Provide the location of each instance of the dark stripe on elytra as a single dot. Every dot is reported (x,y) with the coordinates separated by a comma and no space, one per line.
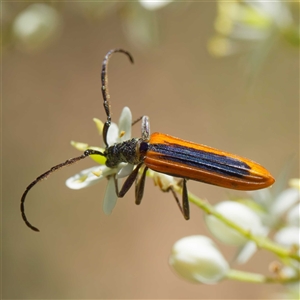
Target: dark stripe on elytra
(212,162)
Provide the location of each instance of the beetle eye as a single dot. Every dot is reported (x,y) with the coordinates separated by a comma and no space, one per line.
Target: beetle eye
(143,147)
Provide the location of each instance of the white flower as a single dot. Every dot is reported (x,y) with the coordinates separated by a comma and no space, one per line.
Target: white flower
(245,218)
(284,202)
(163,181)
(241,25)
(295,183)
(293,216)
(154,4)
(276,211)
(241,215)
(288,236)
(197,259)
(273,208)
(292,289)
(36,26)
(92,175)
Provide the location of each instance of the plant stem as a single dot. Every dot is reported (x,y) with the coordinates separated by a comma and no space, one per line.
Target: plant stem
(258,278)
(261,242)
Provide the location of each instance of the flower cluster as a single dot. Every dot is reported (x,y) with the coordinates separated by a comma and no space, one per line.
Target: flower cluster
(245,224)
(252,25)
(35,26)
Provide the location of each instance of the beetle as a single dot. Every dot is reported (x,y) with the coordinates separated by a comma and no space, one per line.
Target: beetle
(169,155)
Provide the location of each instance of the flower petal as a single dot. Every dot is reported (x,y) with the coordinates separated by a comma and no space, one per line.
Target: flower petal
(84,178)
(125,171)
(293,216)
(285,200)
(288,236)
(99,125)
(154,4)
(110,198)
(125,122)
(163,181)
(113,134)
(262,197)
(294,183)
(79,146)
(246,252)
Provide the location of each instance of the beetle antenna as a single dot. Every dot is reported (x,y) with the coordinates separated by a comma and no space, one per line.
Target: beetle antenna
(104,89)
(49,172)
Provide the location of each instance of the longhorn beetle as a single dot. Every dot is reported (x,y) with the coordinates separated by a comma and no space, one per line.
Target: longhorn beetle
(166,154)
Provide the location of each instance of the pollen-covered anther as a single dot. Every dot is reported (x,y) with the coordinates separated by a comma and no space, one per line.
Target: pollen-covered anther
(97,173)
(122,133)
(81,179)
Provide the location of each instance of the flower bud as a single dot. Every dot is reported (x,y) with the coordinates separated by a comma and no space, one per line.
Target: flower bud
(36,26)
(288,236)
(241,215)
(285,201)
(154,4)
(163,181)
(197,259)
(293,216)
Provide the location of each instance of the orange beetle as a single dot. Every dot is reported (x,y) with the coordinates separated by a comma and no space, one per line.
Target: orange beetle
(170,155)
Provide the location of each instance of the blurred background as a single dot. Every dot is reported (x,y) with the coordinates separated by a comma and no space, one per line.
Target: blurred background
(220,74)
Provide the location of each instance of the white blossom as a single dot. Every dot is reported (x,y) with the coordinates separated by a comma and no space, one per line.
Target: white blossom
(154,4)
(88,177)
(241,215)
(197,259)
(36,26)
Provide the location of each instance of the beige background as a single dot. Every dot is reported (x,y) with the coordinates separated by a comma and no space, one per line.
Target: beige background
(50,98)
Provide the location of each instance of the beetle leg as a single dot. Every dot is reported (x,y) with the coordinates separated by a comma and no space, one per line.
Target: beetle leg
(185,201)
(184,208)
(128,182)
(139,186)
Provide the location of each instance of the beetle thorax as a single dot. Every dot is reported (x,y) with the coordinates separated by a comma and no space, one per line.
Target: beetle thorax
(128,152)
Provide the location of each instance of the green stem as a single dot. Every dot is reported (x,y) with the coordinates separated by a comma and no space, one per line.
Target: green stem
(258,278)
(261,242)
